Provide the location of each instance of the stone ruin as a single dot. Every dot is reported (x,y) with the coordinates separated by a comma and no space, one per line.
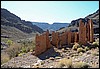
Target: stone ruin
(85,34)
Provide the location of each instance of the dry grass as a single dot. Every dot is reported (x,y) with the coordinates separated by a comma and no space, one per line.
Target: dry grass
(75,46)
(4,58)
(80,65)
(80,50)
(65,62)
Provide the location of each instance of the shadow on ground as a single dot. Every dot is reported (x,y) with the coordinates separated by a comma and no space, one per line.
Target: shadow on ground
(49,53)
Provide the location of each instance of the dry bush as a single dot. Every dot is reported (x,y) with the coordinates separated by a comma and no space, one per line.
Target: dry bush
(4,58)
(86,48)
(13,50)
(95,53)
(65,62)
(80,65)
(75,46)
(96,44)
(80,50)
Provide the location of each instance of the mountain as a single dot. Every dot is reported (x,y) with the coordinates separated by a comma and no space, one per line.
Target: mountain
(73,26)
(12,24)
(10,19)
(53,27)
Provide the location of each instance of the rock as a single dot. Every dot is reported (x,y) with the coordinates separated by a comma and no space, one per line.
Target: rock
(25,66)
(51,66)
(58,57)
(51,58)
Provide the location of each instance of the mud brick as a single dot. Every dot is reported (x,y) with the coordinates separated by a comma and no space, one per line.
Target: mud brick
(40,44)
(84,37)
(48,40)
(72,37)
(55,39)
(69,37)
(63,39)
(82,33)
(76,36)
(91,30)
(88,31)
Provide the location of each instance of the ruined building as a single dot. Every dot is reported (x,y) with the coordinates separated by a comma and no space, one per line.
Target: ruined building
(84,35)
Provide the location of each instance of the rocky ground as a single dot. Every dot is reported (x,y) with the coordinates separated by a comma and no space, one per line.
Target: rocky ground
(52,57)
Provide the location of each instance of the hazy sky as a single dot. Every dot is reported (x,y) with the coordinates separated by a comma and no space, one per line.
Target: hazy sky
(51,11)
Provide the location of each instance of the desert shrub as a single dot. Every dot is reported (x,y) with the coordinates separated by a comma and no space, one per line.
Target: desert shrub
(13,50)
(65,62)
(20,54)
(80,50)
(86,48)
(23,50)
(31,50)
(27,46)
(9,42)
(80,65)
(4,58)
(75,46)
(96,44)
(94,53)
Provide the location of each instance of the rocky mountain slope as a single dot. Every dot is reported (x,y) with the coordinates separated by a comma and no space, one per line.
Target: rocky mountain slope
(55,26)
(10,20)
(73,26)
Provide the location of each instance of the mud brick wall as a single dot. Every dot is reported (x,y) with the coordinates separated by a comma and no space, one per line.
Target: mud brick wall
(40,44)
(69,37)
(84,37)
(55,39)
(72,37)
(48,44)
(91,30)
(88,31)
(76,34)
(63,39)
(53,42)
(82,33)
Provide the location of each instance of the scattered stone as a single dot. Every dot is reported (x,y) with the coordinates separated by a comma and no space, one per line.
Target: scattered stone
(58,57)
(51,58)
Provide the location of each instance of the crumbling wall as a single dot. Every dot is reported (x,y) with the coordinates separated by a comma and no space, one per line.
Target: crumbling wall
(48,44)
(55,39)
(63,39)
(85,34)
(91,30)
(69,37)
(40,44)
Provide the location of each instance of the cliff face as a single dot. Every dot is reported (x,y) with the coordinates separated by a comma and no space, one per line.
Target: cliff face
(11,20)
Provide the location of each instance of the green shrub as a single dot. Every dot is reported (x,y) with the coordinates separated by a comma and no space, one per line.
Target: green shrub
(80,65)
(9,42)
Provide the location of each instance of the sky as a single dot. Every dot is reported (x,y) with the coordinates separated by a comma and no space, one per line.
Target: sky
(51,11)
